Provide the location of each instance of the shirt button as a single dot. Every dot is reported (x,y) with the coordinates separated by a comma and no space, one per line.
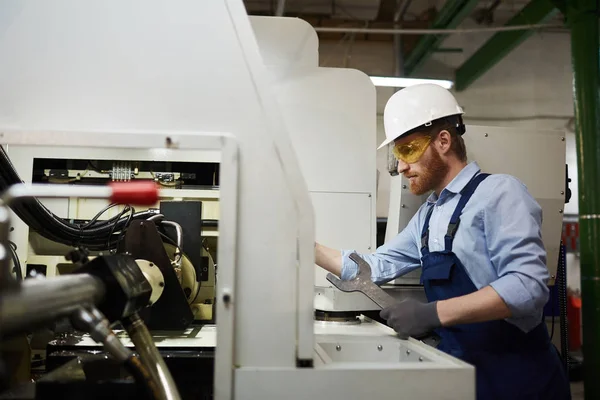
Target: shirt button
(435,240)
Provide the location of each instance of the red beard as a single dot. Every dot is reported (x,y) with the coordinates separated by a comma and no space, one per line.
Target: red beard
(434,170)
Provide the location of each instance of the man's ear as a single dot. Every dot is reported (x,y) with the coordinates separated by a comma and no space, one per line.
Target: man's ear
(444,141)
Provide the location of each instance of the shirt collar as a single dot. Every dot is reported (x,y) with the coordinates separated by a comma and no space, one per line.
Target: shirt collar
(458,183)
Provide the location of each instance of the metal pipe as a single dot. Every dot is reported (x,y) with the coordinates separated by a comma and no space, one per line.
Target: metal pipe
(156,217)
(398,70)
(399,54)
(582,18)
(280,8)
(401,10)
(98,326)
(38,301)
(23,191)
(403,31)
(179,241)
(151,358)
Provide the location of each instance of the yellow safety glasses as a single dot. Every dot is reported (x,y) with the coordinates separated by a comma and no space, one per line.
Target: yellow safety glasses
(411,152)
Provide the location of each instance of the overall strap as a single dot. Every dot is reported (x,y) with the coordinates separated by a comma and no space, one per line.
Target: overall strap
(465,196)
(425,232)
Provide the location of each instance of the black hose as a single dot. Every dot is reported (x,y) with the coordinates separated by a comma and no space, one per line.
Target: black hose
(94,237)
(561,282)
(142,376)
(39,218)
(92,222)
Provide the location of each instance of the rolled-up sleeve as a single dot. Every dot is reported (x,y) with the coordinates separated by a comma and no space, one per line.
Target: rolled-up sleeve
(393,259)
(512,221)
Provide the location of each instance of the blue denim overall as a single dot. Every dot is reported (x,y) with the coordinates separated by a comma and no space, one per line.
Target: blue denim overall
(509,363)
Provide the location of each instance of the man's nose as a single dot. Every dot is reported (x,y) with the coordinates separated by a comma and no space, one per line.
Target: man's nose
(402,167)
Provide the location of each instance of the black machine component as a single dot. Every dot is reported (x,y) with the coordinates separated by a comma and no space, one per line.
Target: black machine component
(192,371)
(129,290)
(561,282)
(96,236)
(203,274)
(567,181)
(59,173)
(171,311)
(43,301)
(165,177)
(99,235)
(191,174)
(188,214)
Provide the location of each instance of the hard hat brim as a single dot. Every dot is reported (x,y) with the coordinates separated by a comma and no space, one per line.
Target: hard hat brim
(386,142)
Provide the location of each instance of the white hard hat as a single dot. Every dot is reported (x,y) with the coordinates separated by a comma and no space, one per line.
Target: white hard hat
(415,106)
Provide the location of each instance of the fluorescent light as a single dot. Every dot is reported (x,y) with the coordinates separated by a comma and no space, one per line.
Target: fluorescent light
(392,81)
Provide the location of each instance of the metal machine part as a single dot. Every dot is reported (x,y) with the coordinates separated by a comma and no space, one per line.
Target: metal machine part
(154,277)
(339,318)
(199,291)
(129,290)
(92,321)
(150,356)
(179,241)
(38,301)
(77,170)
(363,283)
(186,219)
(150,372)
(171,311)
(189,355)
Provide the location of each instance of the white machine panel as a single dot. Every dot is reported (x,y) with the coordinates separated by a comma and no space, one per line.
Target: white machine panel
(331,119)
(377,365)
(535,157)
(342,220)
(177,66)
(300,47)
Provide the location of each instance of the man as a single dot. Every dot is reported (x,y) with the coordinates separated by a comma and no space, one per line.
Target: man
(478,241)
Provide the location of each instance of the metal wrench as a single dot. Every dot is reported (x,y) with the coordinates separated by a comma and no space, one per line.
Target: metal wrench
(363,283)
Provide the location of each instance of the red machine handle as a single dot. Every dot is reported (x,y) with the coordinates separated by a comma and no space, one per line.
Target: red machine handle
(136,193)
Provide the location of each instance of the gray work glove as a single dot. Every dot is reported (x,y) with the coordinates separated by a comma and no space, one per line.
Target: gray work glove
(412,318)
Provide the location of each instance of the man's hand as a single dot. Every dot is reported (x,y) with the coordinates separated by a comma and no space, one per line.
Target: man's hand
(412,318)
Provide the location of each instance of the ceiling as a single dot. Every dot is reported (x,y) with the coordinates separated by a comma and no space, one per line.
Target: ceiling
(421,14)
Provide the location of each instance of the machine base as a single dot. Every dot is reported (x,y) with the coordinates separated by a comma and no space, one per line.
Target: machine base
(77,367)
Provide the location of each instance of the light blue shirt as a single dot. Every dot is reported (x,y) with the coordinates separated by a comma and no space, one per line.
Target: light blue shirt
(499,243)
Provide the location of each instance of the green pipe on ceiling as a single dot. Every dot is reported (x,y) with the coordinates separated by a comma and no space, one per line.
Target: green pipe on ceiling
(450,16)
(502,43)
